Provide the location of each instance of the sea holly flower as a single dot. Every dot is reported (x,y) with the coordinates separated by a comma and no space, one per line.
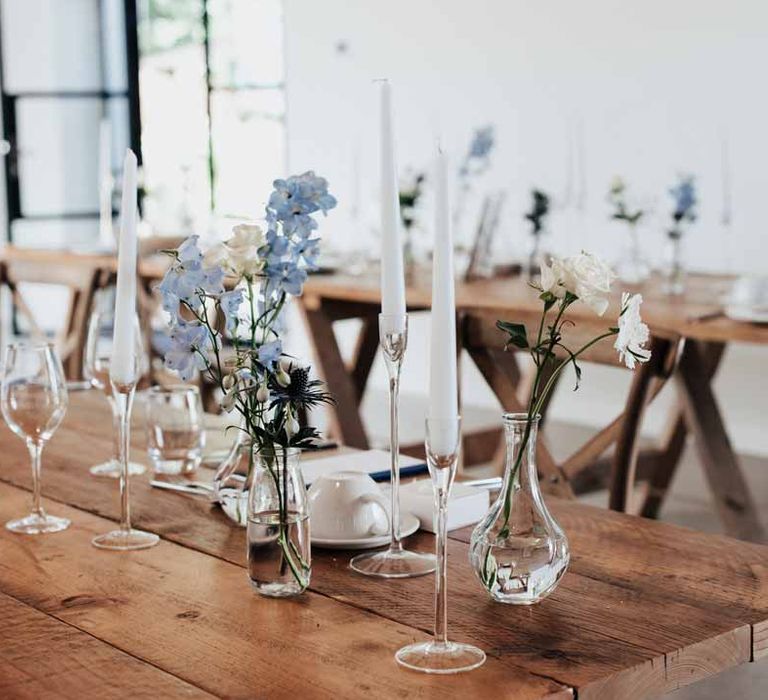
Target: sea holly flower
(633,334)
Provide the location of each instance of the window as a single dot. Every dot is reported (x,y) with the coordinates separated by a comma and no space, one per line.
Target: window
(212,108)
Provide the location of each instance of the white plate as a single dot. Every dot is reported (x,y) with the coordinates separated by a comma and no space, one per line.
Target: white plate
(408,525)
(746,313)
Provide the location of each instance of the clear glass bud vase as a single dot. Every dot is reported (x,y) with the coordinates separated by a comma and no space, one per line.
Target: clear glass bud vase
(279,552)
(518,551)
(674,268)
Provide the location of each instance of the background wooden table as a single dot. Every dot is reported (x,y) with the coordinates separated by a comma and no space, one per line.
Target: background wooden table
(688,345)
(645,608)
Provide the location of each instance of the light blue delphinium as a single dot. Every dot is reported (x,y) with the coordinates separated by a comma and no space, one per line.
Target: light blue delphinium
(188,345)
(269,353)
(230,303)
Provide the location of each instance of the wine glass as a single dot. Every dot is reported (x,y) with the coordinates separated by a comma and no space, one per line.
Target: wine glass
(98,350)
(33,397)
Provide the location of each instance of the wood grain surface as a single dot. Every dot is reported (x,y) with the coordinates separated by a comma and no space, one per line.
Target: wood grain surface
(645,607)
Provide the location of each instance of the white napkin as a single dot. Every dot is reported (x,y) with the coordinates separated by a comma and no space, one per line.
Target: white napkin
(373,462)
(466,505)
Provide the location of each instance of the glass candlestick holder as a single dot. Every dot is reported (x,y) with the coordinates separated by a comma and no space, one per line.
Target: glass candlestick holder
(394,562)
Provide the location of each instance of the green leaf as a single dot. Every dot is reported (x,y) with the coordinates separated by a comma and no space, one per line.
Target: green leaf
(516,332)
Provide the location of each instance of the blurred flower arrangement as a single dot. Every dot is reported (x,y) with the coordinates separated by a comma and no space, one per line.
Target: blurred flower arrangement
(563,282)
(632,267)
(683,214)
(540,207)
(684,211)
(267,388)
(410,192)
(476,161)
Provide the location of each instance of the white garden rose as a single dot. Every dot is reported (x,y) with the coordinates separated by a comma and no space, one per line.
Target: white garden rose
(584,275)
(552,276)
(242,250)
(633,333)
(589,278)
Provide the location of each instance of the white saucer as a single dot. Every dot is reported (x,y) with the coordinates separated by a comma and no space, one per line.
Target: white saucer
(748,314)
(408,525)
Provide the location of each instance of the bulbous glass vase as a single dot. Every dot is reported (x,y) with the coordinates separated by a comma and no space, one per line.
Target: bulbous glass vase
(518,551)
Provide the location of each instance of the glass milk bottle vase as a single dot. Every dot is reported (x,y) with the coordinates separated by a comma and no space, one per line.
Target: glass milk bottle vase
(518,551)
(279,554)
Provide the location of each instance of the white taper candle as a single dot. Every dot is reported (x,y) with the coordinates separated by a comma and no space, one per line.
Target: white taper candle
(123,363)
(392,272)
(443,381)
(106,232)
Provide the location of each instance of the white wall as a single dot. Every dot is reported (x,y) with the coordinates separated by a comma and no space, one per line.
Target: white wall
(649,89)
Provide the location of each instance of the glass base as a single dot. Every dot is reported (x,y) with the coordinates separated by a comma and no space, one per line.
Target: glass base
(125,539)
(111,469)
(394,564)
(432,657)
(37,524)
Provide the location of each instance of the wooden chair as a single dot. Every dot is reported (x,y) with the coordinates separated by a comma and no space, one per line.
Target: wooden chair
(483,343)
(82,283)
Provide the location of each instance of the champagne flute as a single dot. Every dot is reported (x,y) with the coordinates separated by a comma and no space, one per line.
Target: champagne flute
(440,655)
(98,350)
(33,398)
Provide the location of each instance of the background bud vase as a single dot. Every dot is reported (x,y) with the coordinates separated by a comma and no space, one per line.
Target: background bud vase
(518,551)
(683,215)
(279,551)
(632,267)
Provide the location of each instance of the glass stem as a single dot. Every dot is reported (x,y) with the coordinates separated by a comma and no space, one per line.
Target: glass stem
(123,401)
(394,450)
(115,430)
(35,453)
(441,545)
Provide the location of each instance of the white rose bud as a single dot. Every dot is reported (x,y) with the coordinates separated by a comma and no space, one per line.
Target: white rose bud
(228,402)
(228,382)
(283,378)
(262,394)
(291,426)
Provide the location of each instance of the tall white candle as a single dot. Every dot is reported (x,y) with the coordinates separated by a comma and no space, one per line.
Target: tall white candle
(392,273)
(443,382)
(106,232)
(123,364)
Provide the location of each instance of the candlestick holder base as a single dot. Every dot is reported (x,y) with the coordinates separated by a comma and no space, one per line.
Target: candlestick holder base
(123,540)
(439,657)
(397,563)
(111,469)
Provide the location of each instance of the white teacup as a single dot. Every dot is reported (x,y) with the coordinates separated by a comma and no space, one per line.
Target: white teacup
(347,505)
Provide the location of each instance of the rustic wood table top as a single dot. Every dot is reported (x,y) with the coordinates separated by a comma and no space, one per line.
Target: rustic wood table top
(645,607)
(695,314)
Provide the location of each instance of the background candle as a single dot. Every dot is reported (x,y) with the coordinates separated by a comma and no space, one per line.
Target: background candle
(106,232)
(392,273)
(443,381)
(123,364)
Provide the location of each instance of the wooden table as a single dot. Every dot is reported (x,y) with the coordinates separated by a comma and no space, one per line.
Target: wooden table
(645,608)
(685,348)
